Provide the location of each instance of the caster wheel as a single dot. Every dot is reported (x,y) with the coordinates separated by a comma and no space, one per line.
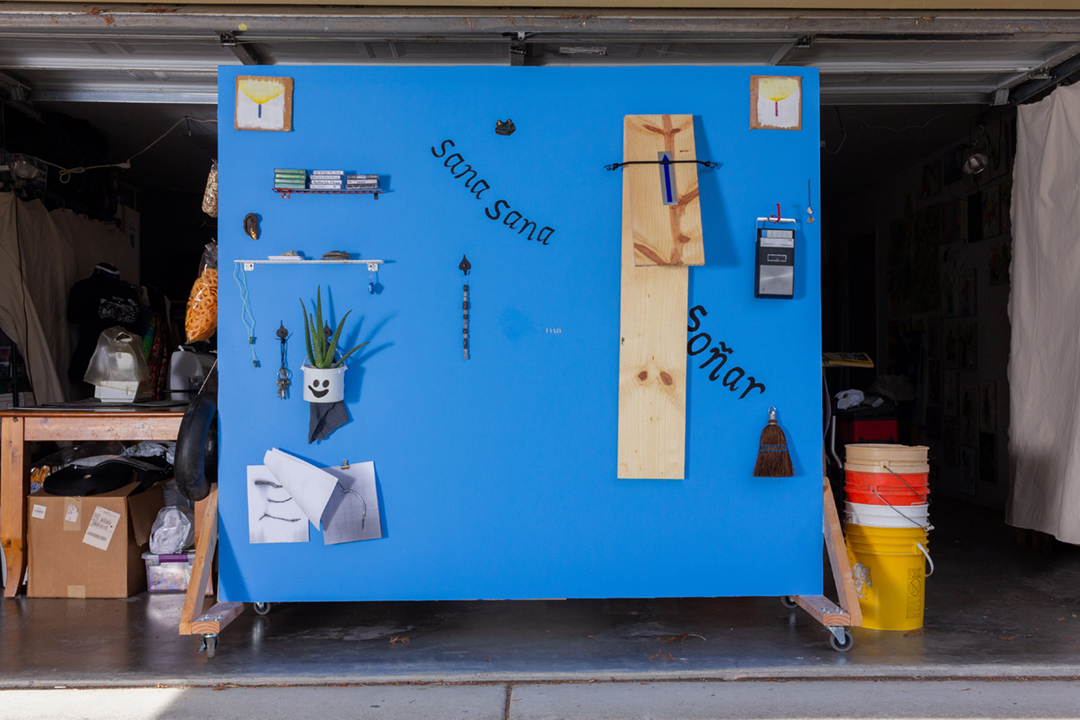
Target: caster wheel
(209,645)
(788,602)
(842,645)
(261,608)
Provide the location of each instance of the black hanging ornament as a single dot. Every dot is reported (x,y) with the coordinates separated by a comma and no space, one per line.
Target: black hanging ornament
(283,372)
(464,267)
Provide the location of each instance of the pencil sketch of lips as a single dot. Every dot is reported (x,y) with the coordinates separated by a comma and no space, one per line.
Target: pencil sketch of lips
(319,393)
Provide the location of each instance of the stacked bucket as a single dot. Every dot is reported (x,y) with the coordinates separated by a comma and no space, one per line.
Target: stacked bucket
(887,511)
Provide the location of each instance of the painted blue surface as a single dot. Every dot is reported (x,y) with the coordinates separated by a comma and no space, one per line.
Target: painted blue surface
(497,474)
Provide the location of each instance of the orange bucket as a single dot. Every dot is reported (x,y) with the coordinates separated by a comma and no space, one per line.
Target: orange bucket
(914,493)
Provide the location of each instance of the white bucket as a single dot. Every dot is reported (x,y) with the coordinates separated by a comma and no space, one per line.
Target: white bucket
(324,386)
(888,516)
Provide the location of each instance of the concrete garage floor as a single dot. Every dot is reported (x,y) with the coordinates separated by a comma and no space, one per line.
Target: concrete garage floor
(694,700)
(994,610)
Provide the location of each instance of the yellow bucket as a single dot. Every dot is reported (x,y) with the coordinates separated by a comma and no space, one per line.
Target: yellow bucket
(889,566)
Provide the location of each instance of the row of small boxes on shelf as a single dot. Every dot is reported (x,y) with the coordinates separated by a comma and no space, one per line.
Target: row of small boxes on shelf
(292,179)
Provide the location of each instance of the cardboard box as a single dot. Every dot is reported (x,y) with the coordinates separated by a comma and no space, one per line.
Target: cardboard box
(90,547)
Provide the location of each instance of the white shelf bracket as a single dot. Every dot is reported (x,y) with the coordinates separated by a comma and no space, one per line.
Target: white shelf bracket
(249,265)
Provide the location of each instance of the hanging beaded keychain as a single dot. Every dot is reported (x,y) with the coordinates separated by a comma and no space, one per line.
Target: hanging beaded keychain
(464,267)
(283,371)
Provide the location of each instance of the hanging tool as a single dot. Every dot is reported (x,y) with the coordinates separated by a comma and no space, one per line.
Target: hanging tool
(464,266)
(809,204)
(283,371)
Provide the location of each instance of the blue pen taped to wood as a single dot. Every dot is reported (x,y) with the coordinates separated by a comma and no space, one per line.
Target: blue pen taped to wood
(667,178)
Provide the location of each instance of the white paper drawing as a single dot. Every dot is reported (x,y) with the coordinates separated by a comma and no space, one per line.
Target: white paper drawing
(286,493)
(309,486)
(353,511)
(273,516)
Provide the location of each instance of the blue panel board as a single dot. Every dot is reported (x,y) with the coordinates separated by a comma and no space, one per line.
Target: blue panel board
(497,475)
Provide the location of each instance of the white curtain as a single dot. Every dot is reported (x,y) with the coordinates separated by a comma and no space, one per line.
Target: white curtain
(1044,307)
(42,254)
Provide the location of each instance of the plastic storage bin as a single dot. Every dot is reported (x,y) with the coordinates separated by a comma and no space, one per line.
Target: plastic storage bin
(168,573)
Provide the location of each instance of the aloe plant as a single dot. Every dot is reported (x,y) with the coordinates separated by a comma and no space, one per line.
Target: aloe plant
(321,347)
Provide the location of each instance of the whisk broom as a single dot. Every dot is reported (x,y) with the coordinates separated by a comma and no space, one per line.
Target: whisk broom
(773,459)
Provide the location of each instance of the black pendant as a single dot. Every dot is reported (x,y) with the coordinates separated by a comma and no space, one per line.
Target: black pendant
(464,267)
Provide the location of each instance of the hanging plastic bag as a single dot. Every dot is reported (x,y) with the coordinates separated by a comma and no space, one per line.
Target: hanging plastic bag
(849,399)
(209,201)
(172,531)
(201,321)
(118,361)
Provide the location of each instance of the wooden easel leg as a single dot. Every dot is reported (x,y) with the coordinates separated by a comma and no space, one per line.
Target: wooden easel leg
(838,559)
(213,621)
(847,612)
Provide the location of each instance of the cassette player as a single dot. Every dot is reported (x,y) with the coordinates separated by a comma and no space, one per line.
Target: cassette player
(774,273)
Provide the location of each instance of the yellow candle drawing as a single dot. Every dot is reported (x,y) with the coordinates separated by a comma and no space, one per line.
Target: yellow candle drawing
(261,90)
(777,89)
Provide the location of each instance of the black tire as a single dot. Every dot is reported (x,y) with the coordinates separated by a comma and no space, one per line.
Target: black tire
(196,448)
(788,602)
(844,646)
(261,608)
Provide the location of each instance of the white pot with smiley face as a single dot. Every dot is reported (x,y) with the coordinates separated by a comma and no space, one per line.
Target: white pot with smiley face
(324,386)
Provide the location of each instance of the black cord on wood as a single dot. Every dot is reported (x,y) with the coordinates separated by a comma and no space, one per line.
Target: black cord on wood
(616,166)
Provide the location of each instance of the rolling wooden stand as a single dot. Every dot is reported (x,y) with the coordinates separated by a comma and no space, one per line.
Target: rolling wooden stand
(836,617)
(210,623)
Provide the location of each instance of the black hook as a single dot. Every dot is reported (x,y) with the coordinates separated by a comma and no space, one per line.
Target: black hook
(615,166)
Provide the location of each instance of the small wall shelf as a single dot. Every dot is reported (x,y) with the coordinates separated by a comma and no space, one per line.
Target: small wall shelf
(286,192)
(372,265)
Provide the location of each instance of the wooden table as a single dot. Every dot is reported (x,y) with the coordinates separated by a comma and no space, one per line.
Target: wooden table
(23,425)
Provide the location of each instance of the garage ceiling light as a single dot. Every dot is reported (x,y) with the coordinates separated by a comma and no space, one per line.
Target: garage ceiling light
(975,161)
(22,169)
